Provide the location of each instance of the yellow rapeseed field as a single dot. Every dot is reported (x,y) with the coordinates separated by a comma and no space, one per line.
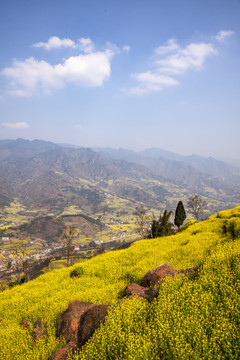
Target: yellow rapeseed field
(193,318)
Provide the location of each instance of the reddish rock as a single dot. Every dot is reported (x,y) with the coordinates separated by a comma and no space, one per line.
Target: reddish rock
(135,289)
(25,324)
(63,353)
(91,321)
(38,330)
(69,321)
(154,276)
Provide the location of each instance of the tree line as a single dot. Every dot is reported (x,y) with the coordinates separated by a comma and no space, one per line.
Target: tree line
(162,226)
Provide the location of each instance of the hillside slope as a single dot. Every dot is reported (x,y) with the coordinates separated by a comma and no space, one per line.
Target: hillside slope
(60,177)
(192,318)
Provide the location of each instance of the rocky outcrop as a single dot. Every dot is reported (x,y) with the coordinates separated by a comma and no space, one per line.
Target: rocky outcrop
(63,353)
(69,321)
(38,330)
(90,321)
(77,325)
(152,277)
(25,324)
(81,319)
(137,290)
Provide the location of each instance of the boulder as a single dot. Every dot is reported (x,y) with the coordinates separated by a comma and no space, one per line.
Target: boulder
(91,321)
(69,321)
(74,273)
(137,290)
(63,353)
(152,277)
(38,330)
(25,324)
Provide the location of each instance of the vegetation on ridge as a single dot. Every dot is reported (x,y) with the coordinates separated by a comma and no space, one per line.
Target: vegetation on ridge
(192,318)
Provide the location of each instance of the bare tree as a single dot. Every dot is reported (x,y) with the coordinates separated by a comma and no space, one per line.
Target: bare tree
(68,234)
(196,205)
(21,249)
(141,219)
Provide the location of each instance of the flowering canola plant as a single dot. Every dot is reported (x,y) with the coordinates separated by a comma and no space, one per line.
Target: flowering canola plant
(192,318)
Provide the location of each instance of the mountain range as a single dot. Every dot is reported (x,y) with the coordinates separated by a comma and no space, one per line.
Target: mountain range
(170,164)
(51,177)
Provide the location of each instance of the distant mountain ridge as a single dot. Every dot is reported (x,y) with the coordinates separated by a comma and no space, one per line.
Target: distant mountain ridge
(162,160)
(23,149)
(60,177)
(49,176)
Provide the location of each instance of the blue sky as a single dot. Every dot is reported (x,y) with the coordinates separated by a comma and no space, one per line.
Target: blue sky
(130,73)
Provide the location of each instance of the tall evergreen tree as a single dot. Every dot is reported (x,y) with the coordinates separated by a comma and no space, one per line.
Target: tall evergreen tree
(180,215)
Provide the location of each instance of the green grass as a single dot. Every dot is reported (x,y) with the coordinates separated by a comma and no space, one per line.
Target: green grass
(191,319)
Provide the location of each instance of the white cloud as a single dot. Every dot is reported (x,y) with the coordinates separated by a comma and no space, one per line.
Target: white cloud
(171,46)
(224,34)
(17,125)
(55,42)
(86,70)
(171,60)
(151,82)
(192,56)
(86,45)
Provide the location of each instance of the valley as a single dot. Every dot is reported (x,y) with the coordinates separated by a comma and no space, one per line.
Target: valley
(204,301)
(45,186)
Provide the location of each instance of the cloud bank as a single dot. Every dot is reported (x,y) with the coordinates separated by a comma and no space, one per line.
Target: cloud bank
(90,68)
(172,60)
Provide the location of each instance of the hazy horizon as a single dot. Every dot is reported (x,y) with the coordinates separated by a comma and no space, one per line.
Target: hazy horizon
(129,74)
(234,161)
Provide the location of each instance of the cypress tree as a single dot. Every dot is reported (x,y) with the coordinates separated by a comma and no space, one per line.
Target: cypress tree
(180,215)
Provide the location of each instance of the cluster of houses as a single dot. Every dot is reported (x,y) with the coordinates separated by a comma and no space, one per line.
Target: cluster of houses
(10,263)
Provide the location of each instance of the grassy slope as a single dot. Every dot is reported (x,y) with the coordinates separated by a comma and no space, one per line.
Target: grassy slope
(192,319)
